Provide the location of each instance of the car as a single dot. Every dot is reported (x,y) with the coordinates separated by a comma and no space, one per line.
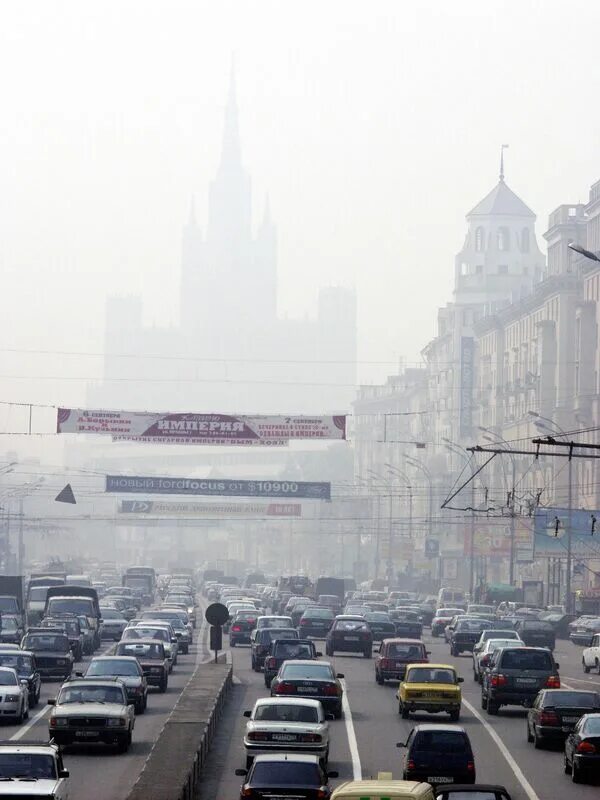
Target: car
(466,633)
(286,724)
(281,775)
(438,754)
(349,634)
(584,631)
(52,651)
(560,622)
(315,621)
(299,609)
(383,787)
(151,656)
(308,678)
(433,688)
(536,633)
(261,641)
(14,695)
(441,618)
(393,656)
(113,623)
(70,626)
(380,624)
(473,609)
(331,601)
(130,673)
(23,661)
(406,623)
(12,630)
(582,749)
(178,620)
(92,711)
(241,627)
(88,633)
(287,650)
(478,791)
(272,621)
(449,629)
(39,766)
(556,712)
(482,655)
(356,610)
(495,633)
(157,630)
(516,675)
(590,658)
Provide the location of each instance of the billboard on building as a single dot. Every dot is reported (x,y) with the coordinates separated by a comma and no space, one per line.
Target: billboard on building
(206,429)
(551,526)
(214,510)
(489,540)
(290,490)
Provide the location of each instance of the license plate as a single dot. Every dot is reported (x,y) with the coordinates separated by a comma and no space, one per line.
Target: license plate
(283,737)
(351,638)
(440,779)
(87,734)
(309,689)
(570,720)
(525,681)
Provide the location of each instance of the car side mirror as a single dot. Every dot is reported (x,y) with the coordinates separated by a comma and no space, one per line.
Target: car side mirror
(329,716)
(318,654)
(79,674)
(247,713)
(400,744)
(52,701)
(333,773)
(340,675)
(63,773)
(427,652)
(174,640)
(460,680)
(241,772)
(557,665)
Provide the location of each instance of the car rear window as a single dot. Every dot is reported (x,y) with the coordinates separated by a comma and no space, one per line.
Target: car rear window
(292,650)
(286,773)
(320,672)
(441,742)
(405,651)
(472,625)
(350,625)
(536,625)
(320,613)
(526,659)
(576,699)
(291,713)
(141,650)
(430,675)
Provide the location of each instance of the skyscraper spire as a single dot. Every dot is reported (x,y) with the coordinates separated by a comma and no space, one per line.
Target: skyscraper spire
(231,151)
(503,147)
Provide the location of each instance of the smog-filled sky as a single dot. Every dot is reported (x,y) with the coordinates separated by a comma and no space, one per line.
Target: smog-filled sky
(373,128)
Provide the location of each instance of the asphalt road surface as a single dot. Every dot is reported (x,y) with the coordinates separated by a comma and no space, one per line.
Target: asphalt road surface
(97,771)
(364,741)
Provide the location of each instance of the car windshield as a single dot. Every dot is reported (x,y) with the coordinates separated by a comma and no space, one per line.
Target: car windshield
(70,605)
(37,594)
(495,633)
(526,659)
(440,742)
(286,713)
(32,765)
(350,625)
(285,773)
(23,664)
(377,616)
(536,625)
(316,671)
(559,698)
(404,651)
(146,633)
(9,624)
(91,694)
(7,678)
(318,613)
(146,650)
(430,675)
(110,613)
(113,667)
(472,625)
(246,615)
(46,641)
(495,644)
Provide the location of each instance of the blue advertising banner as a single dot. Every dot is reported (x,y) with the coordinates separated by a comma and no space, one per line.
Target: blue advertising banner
(550,536)
(131,484)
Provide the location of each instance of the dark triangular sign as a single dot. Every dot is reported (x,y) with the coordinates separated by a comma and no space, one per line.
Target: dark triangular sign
(66,495)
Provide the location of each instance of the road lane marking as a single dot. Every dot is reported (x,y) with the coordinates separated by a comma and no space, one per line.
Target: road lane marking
(350,733)
(24,728)
(527,787)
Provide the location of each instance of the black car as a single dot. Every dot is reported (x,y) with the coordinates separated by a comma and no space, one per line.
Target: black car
(381,625)
(313,679)
(516,675)
(556,712)
(406,623)
(536,633)
(466,634)
(299,610)
(52,651)
(287,650)
(349,634)
(151,657)
(459,791)
(286,775)
(23,661)
(316,621)
(70,626)
(12,630)
(261,640)
(560,623)
(436,754)
(582,749)
(241,627)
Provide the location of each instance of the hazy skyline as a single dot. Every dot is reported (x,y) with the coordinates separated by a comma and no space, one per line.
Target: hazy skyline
(373,128)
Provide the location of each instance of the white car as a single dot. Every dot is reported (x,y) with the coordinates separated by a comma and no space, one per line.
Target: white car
(481,658)
(14,695)
(286,724)
(590,658)
(33,770)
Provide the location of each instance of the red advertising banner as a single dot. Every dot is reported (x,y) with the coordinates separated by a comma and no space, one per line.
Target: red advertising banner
(211,429)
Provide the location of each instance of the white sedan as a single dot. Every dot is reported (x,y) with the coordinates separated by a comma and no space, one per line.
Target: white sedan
(590,658)
(14,695)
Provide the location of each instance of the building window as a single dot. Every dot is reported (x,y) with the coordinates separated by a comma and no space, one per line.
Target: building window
(464,269)
(502,239)
(479,239)
(525,240)
(502,269)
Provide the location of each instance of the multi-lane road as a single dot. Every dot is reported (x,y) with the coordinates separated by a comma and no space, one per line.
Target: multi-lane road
(364,741)
(97,772)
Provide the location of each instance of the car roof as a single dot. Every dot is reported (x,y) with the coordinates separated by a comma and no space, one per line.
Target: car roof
(30,747)
(402,640)
(85,682)
(306,661)
(351,617)
(287,701)
(5,651)
(431,666)
(113,658)
(433,726)
(303,758)
(380,786)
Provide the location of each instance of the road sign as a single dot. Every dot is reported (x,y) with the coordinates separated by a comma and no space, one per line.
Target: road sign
(216,614)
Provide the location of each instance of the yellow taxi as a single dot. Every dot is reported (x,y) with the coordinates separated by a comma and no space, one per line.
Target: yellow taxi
(384,788)
(432,688)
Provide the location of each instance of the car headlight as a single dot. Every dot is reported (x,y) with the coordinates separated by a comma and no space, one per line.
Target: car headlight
(116,722)
(58,722)
(11,698)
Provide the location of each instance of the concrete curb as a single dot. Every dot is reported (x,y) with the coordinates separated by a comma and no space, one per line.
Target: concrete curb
(172,769)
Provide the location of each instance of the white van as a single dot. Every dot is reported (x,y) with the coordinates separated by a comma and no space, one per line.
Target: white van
(451,597)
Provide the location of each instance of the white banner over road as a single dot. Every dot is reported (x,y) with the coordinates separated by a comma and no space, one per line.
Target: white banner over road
(212,429)
(171,509)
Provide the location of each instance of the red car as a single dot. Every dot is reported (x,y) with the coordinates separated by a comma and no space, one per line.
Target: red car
(394,655)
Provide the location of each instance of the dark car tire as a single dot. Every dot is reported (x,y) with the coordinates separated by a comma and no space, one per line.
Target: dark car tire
(124,743)
(576,776)
(379,679)
(566,765)
(484,701)
(454,716)
(368,653)
(163,685)
(404,712)
(538,741)
(529,735)
(249,760)
(337,711)
(21,715)
(492,707)
(231,642)
(586,669)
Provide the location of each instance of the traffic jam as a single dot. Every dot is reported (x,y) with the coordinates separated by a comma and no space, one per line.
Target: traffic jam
(295,632)
(105,642)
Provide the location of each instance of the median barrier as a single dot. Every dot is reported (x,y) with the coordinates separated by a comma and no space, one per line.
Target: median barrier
(172,769)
